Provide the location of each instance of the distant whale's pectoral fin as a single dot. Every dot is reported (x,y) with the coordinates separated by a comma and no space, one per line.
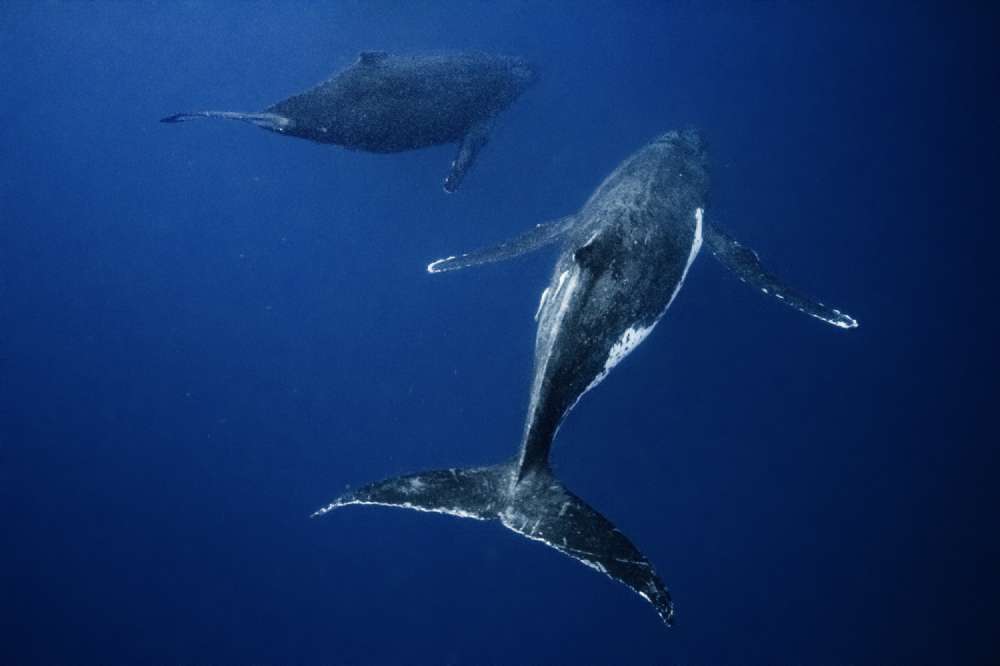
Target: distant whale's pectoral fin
(271,121)
(473,142)
(745,263)
(534,239)
(538,507)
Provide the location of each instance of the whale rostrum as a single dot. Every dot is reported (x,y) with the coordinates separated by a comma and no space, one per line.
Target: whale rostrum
(387,103)
(624,258)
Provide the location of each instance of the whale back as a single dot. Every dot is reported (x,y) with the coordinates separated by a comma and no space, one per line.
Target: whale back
(386,103)
(622,267)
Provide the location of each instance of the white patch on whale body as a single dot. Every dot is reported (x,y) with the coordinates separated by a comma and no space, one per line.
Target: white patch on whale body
(565,297)
(634,335)
(628,341)
(555,306)
(562,278)
(699,215)
(541,302)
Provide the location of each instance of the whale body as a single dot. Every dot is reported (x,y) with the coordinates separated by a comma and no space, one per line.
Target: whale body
(387,104)
(625,256)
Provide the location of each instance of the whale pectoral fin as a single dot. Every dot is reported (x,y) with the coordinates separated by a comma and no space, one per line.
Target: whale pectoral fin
(745,264)
(469,147)
(538,237)
(538,507)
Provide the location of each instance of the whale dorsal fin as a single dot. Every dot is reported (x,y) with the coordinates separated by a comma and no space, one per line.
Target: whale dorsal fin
(745,264)
(372,57)
(534,239)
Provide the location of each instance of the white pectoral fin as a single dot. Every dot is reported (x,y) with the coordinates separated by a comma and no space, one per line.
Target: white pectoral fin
(745,264)
(529,241)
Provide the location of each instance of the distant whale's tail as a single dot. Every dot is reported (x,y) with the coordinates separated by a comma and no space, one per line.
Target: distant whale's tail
(537,506)
(271,121)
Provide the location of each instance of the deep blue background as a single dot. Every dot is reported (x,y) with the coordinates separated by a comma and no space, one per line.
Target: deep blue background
(208,331)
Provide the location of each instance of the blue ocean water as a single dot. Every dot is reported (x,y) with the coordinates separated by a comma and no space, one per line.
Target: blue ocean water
(209,331)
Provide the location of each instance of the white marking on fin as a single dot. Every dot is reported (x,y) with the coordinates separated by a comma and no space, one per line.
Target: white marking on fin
(564,296)
(597,566)
(541,302)
(403,505)
(845,321)
(431,267)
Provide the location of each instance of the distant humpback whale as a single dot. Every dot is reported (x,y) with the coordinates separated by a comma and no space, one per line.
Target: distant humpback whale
(387,104)
(625,256)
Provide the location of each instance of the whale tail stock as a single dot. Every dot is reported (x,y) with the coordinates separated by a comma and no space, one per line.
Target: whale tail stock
(271,121)
(537,506)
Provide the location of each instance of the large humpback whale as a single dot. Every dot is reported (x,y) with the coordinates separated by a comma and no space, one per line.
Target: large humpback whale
(387,104)
(625,256)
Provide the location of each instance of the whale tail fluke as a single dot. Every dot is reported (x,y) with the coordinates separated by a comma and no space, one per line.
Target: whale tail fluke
(271,121)
(537,506)
(466,493)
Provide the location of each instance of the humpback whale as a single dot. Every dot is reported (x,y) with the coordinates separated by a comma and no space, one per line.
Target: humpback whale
(387,104)
(624,257)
